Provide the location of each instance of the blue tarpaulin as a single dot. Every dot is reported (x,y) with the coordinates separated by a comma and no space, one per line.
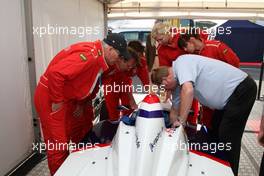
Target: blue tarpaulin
(246,39)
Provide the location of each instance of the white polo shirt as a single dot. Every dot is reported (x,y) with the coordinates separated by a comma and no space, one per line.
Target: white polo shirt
(214,81)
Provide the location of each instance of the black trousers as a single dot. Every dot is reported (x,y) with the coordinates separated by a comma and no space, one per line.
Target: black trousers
(261,172)
(228,124)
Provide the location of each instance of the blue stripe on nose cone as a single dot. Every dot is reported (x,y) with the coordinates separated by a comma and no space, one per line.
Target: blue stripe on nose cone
(150,114)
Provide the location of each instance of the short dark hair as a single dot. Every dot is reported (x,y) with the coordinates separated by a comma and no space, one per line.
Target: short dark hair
(137,46)
(184,38)
(134,55)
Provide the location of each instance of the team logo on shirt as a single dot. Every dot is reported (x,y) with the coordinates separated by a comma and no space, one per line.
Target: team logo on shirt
(83,57)
(225,51)
(99,52)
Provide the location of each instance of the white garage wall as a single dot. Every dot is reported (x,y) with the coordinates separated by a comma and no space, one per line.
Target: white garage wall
(16,129)
(65,14)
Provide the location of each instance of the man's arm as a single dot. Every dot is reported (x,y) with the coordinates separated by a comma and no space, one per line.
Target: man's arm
(186,100)
(132,102)
(179,115)
(173,114)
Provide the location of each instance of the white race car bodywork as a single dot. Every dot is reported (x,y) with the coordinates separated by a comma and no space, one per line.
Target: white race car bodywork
(146,149)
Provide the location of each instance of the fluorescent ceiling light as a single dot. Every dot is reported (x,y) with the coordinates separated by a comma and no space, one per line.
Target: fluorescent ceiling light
(147,14)
(222,14)
(183,14)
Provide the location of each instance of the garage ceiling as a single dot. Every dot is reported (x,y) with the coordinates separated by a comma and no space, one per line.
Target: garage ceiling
(220,9)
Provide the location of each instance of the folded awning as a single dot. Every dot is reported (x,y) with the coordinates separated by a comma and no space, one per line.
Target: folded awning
(221,9)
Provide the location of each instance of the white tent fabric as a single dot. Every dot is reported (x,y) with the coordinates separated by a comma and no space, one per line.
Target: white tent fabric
(59,23)
(256,4)
(16,127)
(221,9)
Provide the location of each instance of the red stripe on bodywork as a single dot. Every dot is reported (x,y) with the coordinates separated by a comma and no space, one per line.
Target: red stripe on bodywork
(211,157)
(94,146)
(151,99)
(257,64)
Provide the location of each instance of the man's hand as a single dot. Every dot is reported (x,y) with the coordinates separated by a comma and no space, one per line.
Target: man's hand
(179,122)
(56,106)
(176,124)
(133,105)
(261,138)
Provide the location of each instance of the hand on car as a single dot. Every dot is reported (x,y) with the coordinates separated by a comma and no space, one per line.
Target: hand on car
(176,124)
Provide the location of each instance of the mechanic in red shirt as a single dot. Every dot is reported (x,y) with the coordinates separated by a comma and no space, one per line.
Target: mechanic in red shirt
(142,69)
(194,44)
(168,51)
(64,93)
(117,86)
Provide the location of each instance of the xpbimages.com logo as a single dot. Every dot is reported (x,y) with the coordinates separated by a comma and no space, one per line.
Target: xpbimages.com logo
(62,146)
(127,88)
(80,31)
(199,30)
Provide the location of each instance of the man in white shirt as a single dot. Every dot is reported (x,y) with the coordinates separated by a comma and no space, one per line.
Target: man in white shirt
(215,84)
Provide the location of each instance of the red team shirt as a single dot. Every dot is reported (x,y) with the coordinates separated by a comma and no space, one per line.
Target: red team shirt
(71,79)
(218,50)
(121,78)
